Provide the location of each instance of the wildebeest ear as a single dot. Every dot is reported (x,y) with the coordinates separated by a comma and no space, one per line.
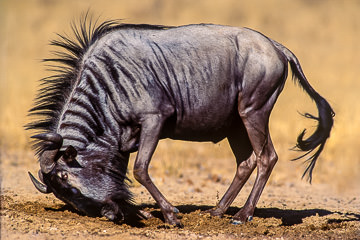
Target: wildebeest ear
(70,154)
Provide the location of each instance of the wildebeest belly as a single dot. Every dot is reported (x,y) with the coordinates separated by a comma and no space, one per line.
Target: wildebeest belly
(205,116)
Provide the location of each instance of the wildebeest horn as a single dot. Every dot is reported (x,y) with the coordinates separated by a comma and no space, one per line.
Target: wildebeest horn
(38,185)
(53,140)
(53,143)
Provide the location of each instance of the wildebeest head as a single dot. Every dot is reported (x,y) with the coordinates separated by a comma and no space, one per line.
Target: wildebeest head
(95,187)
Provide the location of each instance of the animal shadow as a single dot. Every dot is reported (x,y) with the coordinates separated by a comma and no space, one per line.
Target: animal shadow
(288,217)
(132,220)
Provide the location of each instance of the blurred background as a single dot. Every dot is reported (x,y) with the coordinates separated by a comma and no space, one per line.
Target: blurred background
(324,35)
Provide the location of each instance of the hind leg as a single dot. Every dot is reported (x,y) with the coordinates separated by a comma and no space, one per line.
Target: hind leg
(246,162)
(256,120)
(265,161)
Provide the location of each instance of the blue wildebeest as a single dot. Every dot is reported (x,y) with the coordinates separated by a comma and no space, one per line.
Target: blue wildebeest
(119,88)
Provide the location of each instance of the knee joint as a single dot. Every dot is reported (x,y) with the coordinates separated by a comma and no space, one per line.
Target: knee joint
(140,174)
(268,162)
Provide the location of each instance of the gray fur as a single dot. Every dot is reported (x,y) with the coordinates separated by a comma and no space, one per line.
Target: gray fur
(135,84)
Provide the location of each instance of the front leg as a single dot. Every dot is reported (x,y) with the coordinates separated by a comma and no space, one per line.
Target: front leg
(149,137)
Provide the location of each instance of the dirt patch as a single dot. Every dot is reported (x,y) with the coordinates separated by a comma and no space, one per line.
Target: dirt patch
(293,210)
(51,219)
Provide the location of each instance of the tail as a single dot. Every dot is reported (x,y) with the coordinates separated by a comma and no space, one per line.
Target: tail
(325,119)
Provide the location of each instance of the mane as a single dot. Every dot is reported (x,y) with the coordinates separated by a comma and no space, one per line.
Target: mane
(65,66)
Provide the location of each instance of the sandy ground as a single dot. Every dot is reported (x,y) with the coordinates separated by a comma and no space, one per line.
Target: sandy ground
(289,210)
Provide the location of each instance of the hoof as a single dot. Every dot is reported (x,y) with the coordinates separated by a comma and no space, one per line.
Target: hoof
(215,212)
(236,222)
(171,219)
(175,210)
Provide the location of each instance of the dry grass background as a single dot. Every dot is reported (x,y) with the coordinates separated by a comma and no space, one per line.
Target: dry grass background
(323,34)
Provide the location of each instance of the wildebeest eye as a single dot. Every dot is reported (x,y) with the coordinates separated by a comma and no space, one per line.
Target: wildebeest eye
(74,191)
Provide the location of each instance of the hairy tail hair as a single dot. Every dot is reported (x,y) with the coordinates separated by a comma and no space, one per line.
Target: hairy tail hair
(317,140)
